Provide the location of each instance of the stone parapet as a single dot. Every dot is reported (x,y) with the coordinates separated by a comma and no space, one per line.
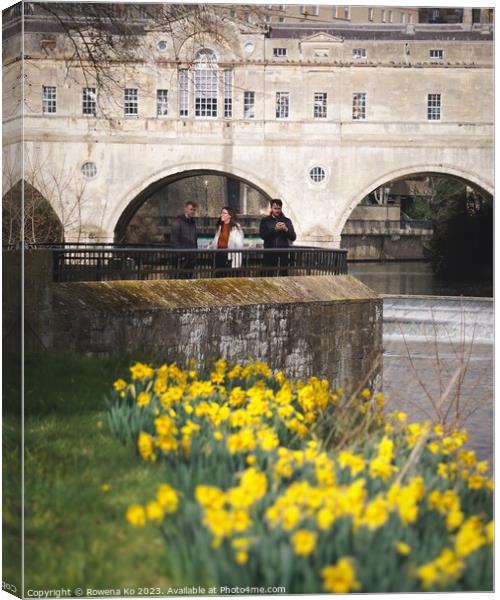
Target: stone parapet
(325,326)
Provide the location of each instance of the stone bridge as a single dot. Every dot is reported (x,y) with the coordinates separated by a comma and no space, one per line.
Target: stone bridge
(317,115)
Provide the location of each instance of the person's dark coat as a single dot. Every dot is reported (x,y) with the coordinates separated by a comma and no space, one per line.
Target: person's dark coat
(273,238)
(183,233)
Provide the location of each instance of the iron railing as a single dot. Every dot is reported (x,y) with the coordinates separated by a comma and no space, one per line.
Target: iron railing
(108,263)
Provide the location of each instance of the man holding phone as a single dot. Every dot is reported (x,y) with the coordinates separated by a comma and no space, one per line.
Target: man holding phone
(277,232)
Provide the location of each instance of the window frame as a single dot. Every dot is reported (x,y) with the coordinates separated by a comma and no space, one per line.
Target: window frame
(49,99)
(359,53)
(183,93)
(206,84)
(370,13)
(130,103)
(320,105)
(282,106)
(161,100)
(280,52)
(89,104)
(359,112)
(317,175)
(438,51)
(247,95)
(434,106)
(228,93)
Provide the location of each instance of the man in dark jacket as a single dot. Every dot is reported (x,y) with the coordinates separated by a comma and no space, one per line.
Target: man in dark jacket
(277,232)
(183,236)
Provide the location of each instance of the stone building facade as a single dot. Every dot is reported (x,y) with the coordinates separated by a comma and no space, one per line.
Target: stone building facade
(316,114)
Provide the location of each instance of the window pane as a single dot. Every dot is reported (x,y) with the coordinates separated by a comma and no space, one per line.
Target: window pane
(359,106)
(131,101)
(161,103)
(249,105)
(434,107)
(89,101)
(320,105)
(183,93)
(282,105)
(228,93)
(205,84)
(49,99)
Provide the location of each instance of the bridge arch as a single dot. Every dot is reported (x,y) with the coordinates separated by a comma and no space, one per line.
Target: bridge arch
(464,175)
(135,197)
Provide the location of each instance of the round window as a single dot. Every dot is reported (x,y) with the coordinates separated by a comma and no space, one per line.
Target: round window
(249,47)
(317,174)
(89,170)
(162,45)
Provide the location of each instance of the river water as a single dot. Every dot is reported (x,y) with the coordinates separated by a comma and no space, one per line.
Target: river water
(414,278)
(422,352)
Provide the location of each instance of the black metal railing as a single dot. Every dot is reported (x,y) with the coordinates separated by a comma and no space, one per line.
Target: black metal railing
(108,263)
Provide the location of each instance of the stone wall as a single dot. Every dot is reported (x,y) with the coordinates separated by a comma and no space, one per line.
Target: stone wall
(384,246)
(324,326)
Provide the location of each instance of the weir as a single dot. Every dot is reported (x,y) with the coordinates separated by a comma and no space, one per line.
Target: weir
(446,319)
(426,340)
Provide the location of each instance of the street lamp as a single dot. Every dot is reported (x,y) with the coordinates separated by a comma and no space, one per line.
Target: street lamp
(205,183)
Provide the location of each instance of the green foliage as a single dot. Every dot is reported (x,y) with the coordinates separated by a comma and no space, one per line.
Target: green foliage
(251,499)
(462,244)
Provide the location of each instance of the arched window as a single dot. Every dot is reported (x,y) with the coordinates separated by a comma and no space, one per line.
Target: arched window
(205,84)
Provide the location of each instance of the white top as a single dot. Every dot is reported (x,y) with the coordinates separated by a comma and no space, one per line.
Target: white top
(236,240)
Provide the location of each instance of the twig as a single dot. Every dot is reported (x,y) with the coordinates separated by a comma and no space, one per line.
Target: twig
(417,449)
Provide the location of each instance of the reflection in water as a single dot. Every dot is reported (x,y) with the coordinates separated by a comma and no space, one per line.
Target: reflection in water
(414,278)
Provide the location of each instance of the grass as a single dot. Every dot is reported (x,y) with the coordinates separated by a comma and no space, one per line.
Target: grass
(75,533)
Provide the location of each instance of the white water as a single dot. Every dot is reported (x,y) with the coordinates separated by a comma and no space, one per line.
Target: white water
(442,318)
(426,339)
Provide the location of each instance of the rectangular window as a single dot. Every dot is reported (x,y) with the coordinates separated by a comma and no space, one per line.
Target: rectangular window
(390,16)
(249,105)
(131,98)
(302,9)
(436,53)
(48,99)
(161,103)
(359,106)
(370,14)
(411,18)
(282,105)
(205,91)
(359,53)
(228,93)
(279,51)
(89,101)
(183,93)
(347,12)
(281,19)
(433,107)
(315,10)
(402,18)
(334,12)
(267,18)
(320,100)
(382,15)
